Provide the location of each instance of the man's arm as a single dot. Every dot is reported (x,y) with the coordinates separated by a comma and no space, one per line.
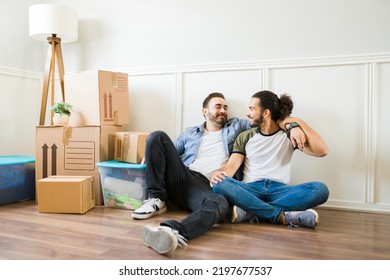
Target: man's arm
(314,144)
(229,170)
(296,136)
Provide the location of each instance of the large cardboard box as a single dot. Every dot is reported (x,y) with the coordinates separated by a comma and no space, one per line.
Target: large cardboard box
(17,178)
(65,194)
(130,146)
(74,150)
(98,97)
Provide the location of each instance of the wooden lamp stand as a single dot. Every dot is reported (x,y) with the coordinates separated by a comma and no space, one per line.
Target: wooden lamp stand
(55,51)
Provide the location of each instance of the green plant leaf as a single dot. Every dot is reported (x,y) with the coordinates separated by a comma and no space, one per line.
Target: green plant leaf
(62,108)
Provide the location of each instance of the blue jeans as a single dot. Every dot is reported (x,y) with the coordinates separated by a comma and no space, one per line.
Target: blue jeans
(267,199)
(168,178)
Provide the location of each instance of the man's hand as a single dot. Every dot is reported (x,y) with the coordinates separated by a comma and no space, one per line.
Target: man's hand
(298,138)
(297,135)
(218,176)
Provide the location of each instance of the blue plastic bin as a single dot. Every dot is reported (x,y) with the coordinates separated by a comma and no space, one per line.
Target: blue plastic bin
(123,184)
(17,178)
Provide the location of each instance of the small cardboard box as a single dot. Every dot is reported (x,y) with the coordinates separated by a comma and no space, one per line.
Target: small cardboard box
(67,150)
(130,146)
(98,98)
(65,194)
(123,184)
(17,178)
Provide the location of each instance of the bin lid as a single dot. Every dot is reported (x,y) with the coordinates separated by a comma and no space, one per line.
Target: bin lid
(16,159)
(119,164)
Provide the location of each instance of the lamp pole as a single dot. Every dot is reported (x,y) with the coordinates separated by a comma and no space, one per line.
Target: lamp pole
(52,53)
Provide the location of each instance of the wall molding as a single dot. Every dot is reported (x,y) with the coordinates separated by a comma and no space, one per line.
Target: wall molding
(371,93)
(355,206)
(259,65)
(264,66)
(20,73)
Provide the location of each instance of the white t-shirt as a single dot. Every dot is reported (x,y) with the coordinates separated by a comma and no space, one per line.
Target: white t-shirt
(211,155)
(266,156)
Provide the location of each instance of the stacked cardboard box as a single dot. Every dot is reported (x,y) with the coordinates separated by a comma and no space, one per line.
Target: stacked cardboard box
(66,194)
(100,102)
(130,146)
(74,150)
(98,98)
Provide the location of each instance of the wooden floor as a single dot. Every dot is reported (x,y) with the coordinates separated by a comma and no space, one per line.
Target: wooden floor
(111,234)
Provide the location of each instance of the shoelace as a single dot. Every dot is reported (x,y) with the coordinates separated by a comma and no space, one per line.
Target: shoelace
(290,223)
(181,241)
(148,203)
(254,220)
(150,199)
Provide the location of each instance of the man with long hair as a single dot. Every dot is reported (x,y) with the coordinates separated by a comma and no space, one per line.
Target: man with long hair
(265,192)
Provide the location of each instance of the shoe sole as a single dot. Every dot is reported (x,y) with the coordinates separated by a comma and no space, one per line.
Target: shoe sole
(234,215)
(163,242)
(148,215)
(317,216)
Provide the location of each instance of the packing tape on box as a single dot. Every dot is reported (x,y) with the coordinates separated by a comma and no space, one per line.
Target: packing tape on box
(134,189)
(66,134)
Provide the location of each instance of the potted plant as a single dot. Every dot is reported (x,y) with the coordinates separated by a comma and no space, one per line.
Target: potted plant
(62,111)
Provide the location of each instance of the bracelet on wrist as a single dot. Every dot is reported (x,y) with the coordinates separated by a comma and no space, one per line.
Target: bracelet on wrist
(292,125)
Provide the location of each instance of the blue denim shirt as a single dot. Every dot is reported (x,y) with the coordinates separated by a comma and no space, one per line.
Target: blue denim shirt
(187,144)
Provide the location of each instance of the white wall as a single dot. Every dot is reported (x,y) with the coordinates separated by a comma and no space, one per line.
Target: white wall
(123,34)
(332,57)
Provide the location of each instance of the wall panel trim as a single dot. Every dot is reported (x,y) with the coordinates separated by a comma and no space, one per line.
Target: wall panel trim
(265,64)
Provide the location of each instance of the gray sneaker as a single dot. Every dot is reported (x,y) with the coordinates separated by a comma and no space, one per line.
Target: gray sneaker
(151,207)
(162,239)
(308,218)
(239,215)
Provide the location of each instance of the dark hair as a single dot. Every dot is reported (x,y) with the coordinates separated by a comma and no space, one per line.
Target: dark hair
(211,96)
(279,107)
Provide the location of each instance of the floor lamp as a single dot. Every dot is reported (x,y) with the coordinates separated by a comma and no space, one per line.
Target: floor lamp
(54,24)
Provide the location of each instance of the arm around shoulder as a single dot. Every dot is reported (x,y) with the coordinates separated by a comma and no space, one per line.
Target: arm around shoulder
(315,145)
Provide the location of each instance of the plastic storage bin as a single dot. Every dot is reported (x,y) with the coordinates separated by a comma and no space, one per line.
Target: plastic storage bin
(123,184)
(17,178)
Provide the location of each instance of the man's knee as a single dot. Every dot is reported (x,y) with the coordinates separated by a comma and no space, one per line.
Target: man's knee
(324,191)
(221,187)
(220,203)
(155,136)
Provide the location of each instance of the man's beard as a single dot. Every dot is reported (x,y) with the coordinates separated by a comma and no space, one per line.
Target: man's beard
(220,119)
(257,122)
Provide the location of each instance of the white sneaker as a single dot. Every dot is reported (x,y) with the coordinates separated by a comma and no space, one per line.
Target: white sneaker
(162,239)
(151,207)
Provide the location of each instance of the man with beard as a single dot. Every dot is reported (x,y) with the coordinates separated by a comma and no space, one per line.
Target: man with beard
(266,152)
(181,172)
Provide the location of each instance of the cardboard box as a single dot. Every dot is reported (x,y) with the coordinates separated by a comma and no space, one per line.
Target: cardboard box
(98,97)
(17,178)
(74,150)
(123,184)
(130,146)
(65,194)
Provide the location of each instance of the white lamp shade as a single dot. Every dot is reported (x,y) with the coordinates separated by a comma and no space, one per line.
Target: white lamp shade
(48,19)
